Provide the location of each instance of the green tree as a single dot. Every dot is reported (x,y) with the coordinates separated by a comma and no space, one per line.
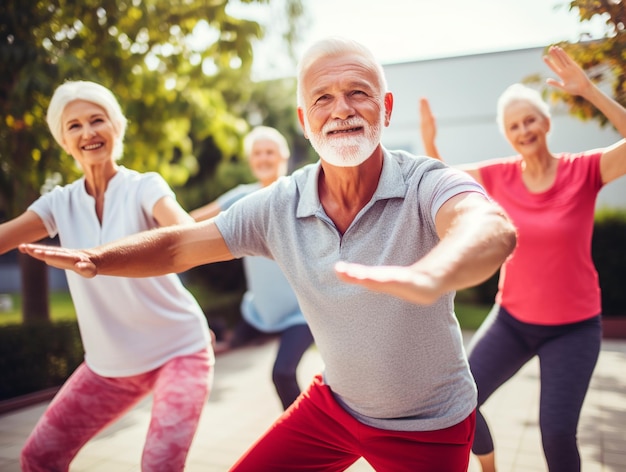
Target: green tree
(603,58)
(169,64)
(269,103)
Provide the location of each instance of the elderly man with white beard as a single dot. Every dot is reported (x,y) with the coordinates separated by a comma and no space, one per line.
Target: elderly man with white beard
(375,244)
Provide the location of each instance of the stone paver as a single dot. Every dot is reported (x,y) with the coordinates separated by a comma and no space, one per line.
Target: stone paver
(243,404)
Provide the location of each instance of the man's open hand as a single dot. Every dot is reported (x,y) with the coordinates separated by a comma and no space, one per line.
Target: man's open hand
(403,282)
(68,259)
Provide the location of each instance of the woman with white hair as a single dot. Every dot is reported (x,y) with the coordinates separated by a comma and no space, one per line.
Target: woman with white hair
(140,335)
(269,306)
(548,303)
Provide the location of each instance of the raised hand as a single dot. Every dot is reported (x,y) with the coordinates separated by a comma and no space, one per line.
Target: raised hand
(574,80)
(68,259)
(428,129)
(428,125)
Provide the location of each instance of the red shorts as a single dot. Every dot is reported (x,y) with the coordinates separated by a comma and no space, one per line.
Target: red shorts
(317,434)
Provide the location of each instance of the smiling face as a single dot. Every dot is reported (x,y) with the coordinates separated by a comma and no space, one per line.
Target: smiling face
(266,162)
(88,134)
(343,108)
(525,127)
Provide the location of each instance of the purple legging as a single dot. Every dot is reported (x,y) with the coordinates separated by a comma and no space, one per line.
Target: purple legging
(88,402)
(567,356)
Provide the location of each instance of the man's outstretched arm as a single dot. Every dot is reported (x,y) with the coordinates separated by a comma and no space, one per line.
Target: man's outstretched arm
(476,238)
(160,251)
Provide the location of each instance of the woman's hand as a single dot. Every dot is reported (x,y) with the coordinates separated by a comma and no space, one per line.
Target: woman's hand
(428,129)
(574,80)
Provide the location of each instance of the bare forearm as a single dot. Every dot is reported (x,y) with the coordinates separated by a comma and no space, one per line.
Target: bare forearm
(26,228)
(161,251)
(476,238)
(428,129)
(614,112)
(205,212)
(474,248)
(141,255)
(431,150)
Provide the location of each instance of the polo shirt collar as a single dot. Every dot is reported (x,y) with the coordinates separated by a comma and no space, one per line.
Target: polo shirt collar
(390,185)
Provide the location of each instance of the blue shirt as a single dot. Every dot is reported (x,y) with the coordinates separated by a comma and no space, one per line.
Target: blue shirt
(269,304)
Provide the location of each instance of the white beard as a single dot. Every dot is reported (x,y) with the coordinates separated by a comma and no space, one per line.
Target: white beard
(348,151)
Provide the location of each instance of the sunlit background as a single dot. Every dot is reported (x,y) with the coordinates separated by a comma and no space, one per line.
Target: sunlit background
(401,30)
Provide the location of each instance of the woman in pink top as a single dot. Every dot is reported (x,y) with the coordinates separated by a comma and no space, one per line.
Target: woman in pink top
(548,302)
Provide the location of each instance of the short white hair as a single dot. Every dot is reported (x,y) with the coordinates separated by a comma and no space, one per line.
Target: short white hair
(520,93)
(90,92)
(334,46)
(266,133)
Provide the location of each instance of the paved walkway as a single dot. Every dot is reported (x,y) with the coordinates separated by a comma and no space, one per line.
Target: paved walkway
(243,404)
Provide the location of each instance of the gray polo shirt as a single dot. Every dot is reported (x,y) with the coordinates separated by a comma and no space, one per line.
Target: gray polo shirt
(392,364)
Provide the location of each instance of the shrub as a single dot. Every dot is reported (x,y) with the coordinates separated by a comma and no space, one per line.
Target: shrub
(609,255)
(37,356)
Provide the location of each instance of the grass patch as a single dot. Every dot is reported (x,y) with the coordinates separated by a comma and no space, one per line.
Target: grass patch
(470,315)
(210,299)
(61,309)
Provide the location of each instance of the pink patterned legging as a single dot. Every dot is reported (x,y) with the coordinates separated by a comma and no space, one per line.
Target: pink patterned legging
(87,403)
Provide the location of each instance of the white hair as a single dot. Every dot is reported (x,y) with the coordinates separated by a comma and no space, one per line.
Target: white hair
(89,92)
(334,46)
(520,93)
(265,133)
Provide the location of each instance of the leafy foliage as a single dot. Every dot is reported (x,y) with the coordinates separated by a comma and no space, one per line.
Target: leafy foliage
(604,59)
(271,103)
(171,65)
(609,256)
(35,357)
(176,67)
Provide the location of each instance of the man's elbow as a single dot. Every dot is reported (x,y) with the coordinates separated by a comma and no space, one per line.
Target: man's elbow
(508,236)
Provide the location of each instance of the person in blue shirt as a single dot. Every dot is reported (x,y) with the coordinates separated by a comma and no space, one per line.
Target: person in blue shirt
(269,304)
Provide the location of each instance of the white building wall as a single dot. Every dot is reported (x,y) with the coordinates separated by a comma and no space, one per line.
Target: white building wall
(463,92)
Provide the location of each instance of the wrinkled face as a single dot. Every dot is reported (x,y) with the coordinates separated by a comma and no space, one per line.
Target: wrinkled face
(265,160)
(343,110)
(88,134)
(525,127)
